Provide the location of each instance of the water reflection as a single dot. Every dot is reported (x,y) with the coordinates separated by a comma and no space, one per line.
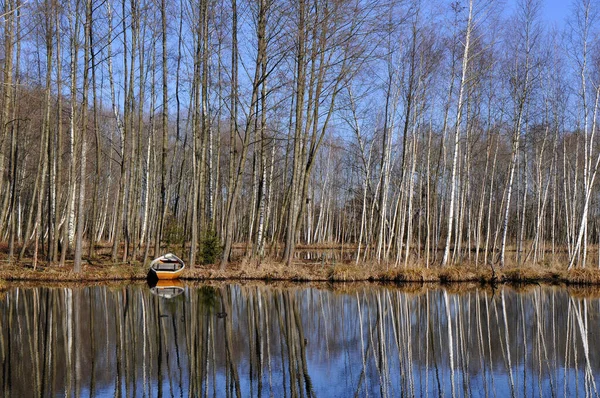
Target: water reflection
(167,289)
(234,340)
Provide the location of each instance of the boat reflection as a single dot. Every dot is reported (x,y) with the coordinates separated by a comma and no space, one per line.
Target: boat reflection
(167,289)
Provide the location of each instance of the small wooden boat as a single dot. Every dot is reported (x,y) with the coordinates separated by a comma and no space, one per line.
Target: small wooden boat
(167,288)
(168,266)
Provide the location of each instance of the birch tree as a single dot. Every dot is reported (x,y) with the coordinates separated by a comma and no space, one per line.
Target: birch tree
(459,113)
(521,78)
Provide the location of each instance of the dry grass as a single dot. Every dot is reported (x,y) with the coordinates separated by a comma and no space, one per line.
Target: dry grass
(524,274)
(66,274)
(302,271)
(458,273)
(578,276)
(551,274)
(348,273)
(255,270)
(409,274)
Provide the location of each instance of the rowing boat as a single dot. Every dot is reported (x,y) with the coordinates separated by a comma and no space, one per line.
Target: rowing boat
(168,266)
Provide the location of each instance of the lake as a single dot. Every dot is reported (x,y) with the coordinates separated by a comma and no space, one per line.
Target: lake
(298,340)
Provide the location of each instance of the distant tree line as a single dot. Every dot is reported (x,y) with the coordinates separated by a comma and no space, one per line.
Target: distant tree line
(410,131)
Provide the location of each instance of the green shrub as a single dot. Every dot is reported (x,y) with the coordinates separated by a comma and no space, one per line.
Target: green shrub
(210,247)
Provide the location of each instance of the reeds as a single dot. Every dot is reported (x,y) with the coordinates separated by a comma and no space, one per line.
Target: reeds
(583,276)
(66,274)
(412,274)
(273,270)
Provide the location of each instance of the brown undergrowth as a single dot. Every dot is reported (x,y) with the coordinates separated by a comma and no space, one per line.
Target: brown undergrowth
(90,273)
(303,271)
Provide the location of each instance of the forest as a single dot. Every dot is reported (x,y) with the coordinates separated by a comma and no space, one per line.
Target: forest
(410,132)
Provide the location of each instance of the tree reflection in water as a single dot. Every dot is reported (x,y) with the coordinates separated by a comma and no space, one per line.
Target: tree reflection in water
(235,341)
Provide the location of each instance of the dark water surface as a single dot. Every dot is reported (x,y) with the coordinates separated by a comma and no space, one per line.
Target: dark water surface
(258,340)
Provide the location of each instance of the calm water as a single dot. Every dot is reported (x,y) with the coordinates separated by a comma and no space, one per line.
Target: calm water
(258,340)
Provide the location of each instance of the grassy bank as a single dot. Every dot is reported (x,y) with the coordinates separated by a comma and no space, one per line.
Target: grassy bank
(97,273)
(379,273)
(303,272)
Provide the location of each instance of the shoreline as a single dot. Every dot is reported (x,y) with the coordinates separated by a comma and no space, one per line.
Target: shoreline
(276,272)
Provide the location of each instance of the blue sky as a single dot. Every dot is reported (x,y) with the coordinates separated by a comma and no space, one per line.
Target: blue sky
(553,11)
(556,10)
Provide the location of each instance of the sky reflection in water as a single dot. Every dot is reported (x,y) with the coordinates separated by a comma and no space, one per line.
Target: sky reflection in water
(258,340)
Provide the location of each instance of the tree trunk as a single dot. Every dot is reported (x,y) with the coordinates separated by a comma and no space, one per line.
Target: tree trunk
(463,82)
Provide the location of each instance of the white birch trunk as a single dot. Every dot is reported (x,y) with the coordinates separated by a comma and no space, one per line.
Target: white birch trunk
(465,64)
